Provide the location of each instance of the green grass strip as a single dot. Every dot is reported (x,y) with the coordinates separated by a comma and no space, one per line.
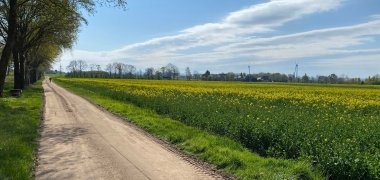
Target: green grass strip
(221,152)
(19,124)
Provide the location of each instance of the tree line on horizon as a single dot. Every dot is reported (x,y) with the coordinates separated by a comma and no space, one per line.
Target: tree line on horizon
(80,69)
(34,32)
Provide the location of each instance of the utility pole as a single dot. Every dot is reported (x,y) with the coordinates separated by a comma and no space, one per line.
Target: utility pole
(296,72)
(249,73)
(60,68)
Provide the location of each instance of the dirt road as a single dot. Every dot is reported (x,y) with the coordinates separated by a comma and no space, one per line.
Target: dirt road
(81,141)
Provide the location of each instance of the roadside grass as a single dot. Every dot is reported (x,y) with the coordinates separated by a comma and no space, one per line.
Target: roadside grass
(19,124)
(8,85)
(221,152)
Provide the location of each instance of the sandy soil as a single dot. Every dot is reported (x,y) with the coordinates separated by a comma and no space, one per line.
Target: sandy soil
(81,141)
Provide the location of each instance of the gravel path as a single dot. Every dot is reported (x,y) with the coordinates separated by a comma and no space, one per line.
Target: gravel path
(80,141)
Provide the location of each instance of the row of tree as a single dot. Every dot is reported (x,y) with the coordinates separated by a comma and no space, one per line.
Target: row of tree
(34,32)
(79,68)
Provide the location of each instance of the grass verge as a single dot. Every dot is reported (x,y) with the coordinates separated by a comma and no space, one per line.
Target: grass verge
(221,152)
(19,124)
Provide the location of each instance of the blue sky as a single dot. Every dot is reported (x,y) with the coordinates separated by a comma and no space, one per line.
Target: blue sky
(322,36)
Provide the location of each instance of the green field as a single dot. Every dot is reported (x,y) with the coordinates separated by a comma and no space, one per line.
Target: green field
(19,124)
(336,128)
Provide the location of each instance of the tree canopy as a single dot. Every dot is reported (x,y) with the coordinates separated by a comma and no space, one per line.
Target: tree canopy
(34,32)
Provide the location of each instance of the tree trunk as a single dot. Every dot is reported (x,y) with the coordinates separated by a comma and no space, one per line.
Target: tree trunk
(3,66)
(33,76)
(9,70)
(28,75)
(7,51)
(22,70)
(16,70)
(40,74)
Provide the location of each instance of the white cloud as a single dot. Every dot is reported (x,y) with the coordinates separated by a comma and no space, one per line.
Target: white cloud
(236,36)
(278,12)
(308,44)
(254,19)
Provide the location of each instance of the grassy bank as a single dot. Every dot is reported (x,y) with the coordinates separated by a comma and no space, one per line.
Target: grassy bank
(222,152)
(19,123)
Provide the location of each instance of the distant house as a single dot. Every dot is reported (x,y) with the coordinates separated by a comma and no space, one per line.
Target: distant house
(264,79)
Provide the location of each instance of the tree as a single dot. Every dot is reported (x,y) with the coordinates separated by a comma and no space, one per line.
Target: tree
(149,73)
(82,66)
(73,66)
(98,67)
(109,69)
(39,59)
(222,76)
(230,76)
(158,74)
(27,24)
(196,75)
(41,22)
(10,34)
(333,78)
(206,75)
(188,73)
(92,67)
(171,71)
(10,68)
(305,78)
(129,70)
(323,79)
(118,67)
(93,70)
(242,76)
(291,77)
